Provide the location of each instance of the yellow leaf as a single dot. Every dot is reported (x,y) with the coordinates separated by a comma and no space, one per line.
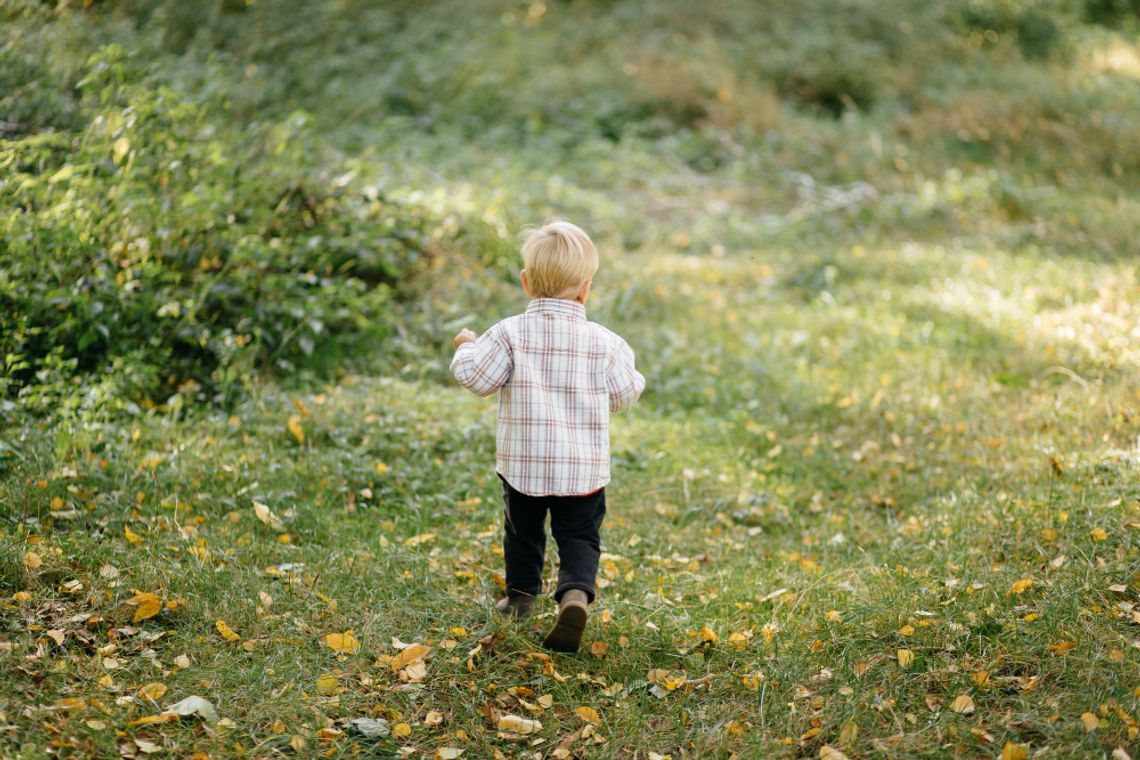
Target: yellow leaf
(1061,648)
(588,714)
(1013,751)
(409,655)
(120,149)
(448,753)
(297,743)
(905,656)
(149,605)
(70,703)
(400,730)
(422,538)
(381,468)
(33,561)
(1019,587)
(133,537)
(152,691)
(300,407)
(962,703)
(1090,722)
(827,752)
(328,684)
(227,633)
(1098,534)
(265,514)
(343,642)
(295,428)
(433,718)
(149,720)
(709,635)
(980,677)
(599,649)
(56,504)
(519,725)
(907,630)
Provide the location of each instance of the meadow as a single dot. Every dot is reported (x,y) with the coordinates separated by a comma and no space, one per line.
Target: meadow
(878,262)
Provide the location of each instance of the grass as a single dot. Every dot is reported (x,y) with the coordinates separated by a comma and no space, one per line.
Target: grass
(887,459)
(834,468)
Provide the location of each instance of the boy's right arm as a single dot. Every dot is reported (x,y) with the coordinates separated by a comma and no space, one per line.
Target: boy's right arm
(483,365)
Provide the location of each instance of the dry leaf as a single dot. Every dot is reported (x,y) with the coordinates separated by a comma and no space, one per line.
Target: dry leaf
(448,753)
(1013,751)
(1021,586)
(265,514)
(589,715)
(518,725)
(408,655)
(827,752)
(295,428)
(905,657)
(195,705)
(401,730)
(33,561)
(328,684)
(227,633)
(1061,648)
(373,728)
(963,704)
(1090,722)
(152,691)
(599,649)
(131,536)
(149,605)
(433,718)
(343,642)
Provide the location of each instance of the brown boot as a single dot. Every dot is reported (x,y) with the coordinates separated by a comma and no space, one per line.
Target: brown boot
(566,634)
(517,607)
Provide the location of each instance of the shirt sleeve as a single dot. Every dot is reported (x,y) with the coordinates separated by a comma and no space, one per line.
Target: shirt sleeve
(484,366)
(623,383)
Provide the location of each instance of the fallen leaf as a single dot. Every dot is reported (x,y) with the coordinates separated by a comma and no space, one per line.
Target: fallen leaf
(148,747)
(433,718)
(599,649)
(151,720)
(328,684)
(401,730)
(227,632)
(1061,648)
(152,691)
(33,561)
(265,514)
(588,714)
(195,705)
(131,536)
(448,753)
(295,428)
(408,655)
(373,728)
(1013,751)
(343,642)
(518,725)
(149,605)
(1090,722)
(963,704)
(1020,586)
(905,657)
(827,752)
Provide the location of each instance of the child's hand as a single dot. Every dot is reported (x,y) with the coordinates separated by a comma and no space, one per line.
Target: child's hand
(464,336)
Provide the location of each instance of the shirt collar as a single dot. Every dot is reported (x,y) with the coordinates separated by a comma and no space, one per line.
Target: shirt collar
(560,306)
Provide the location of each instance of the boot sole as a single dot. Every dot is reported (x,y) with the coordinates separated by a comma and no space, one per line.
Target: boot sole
(566,636)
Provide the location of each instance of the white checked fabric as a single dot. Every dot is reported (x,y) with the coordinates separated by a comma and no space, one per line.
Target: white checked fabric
(559,377)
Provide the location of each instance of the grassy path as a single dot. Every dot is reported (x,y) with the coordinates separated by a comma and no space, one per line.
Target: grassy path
(885,501)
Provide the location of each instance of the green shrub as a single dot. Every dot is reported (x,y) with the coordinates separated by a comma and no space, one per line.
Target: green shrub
(158,250)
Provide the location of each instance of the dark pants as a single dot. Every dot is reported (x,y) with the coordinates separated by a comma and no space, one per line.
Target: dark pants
(574,523)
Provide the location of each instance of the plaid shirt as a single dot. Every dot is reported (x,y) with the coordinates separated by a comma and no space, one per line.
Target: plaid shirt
(559,377)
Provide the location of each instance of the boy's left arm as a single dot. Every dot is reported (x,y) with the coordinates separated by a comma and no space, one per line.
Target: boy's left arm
(623,382)
(482,364)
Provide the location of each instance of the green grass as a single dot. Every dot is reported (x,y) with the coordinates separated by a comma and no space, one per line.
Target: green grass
(893,372)
(885,461)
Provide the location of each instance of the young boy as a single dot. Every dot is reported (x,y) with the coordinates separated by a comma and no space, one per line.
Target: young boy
(559,376)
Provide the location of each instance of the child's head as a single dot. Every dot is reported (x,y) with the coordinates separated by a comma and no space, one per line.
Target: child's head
(560,261)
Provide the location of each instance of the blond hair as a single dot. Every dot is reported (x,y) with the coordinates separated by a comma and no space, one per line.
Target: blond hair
(559,259)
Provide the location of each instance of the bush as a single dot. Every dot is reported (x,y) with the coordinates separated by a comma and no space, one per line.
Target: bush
(157,251)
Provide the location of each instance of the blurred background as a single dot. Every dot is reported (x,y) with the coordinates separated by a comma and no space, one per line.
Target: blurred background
(198,196)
